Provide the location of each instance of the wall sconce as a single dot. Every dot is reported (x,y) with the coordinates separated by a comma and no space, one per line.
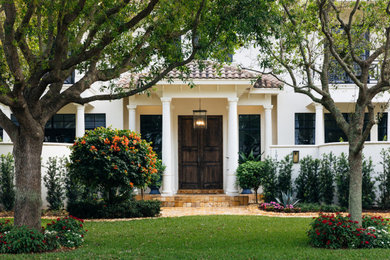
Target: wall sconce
(295,156)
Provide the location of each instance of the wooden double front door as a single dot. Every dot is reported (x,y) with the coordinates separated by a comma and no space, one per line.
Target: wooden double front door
(200,154)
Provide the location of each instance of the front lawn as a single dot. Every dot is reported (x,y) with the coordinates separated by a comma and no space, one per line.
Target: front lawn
(199,237)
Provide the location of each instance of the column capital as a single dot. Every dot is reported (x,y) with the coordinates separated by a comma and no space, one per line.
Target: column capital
(268,107)
(131,107)
(233,99)
(318,106)
(166,99)
(79,107)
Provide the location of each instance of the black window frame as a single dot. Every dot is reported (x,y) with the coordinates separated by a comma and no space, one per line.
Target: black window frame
(304,126)
(153,121)
(328,119)
(382,126)
(255,126)
(343,78)
(92,117)
(61,128)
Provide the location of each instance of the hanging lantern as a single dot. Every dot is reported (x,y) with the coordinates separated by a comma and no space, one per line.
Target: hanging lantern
(200,118)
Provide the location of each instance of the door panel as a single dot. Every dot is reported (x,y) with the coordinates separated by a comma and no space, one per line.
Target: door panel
(200,154)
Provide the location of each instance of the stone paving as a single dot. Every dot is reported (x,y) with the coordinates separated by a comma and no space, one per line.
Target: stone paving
(242,210)
(251,209)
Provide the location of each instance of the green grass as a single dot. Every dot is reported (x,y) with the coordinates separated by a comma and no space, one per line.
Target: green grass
(200,237)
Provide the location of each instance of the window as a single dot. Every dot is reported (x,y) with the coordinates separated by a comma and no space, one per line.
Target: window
(304,128)
(249,134)
(93,121)
(337,75)
(151,131)
(70,79)
(333,133)
(382,127)
(61,128)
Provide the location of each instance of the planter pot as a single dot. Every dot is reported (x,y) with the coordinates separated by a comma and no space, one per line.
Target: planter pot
(246,191)
(154,190)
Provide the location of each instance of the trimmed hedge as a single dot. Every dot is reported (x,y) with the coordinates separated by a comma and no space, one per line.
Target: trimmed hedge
(92,209)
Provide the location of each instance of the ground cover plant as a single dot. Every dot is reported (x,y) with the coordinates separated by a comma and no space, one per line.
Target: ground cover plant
(203,237)
(67,232)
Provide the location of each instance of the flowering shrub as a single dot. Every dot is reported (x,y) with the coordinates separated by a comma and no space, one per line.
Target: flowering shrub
(112,161)
(22,239)
(274,206)
(69,231)
(337,231)
(66,232)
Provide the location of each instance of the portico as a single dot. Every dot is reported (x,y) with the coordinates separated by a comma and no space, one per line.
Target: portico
(195,163)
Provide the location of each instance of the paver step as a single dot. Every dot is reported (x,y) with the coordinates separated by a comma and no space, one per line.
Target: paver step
(201,200)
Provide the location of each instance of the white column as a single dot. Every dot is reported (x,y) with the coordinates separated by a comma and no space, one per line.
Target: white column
(319,124)
(268,129)
(7,111)
(80,121)
(132,117)
(388,124)
(232,148)
(167,189)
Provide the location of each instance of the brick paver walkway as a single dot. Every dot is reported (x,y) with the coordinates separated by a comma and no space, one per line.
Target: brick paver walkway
(242,210)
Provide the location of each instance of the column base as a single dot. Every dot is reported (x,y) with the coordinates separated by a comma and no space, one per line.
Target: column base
(167,193)
(232,193)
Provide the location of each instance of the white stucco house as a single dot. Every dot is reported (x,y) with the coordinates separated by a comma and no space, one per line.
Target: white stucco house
(244,113)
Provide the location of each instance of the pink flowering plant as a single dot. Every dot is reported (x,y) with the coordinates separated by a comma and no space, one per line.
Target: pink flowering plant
(337,231)
(277,207)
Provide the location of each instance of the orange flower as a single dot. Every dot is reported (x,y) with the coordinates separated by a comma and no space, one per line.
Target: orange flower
(115,167)
(131,185)
(116,139)
(106,141)
(83,142)
(134,142)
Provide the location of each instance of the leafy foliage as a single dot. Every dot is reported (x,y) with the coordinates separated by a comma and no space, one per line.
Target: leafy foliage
(270,184)
(54,182)
(383,179)
(308,180)
(156,179)
(285,174)
(248,157)
(250,175)
(287,199)
(112,161)
(124,209)
(342,180)
(368,184)
(327,175)
(7,194)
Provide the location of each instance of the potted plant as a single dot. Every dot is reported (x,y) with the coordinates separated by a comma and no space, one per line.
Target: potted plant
(156,179)
(250,176)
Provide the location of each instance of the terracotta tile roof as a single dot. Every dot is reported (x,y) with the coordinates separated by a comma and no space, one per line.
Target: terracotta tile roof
(212,71)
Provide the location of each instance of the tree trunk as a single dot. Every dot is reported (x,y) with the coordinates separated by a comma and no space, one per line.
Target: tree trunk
(355,185)
(27,152)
